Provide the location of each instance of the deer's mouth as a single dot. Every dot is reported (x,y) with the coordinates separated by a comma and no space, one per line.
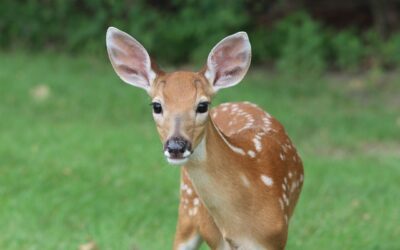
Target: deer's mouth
(177,159)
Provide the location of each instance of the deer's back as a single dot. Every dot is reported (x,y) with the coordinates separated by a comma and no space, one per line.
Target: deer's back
(263,140)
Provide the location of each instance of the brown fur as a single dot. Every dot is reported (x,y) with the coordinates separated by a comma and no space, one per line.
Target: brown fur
(230,212)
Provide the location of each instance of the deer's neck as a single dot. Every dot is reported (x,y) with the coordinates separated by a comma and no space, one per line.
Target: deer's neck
(213,154)
(212,171)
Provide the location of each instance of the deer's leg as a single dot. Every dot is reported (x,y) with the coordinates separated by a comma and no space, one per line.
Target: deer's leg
(209,231)
(192,229)
(195,224)
(187,235)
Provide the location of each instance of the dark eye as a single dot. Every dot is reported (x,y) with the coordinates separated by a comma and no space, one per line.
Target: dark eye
(202,107)
(157,109)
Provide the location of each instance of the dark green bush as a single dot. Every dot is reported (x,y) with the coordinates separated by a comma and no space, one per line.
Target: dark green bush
(347,49)
(391,50)
(174,31)
(383,53)
(266,44)
(302,45)
(184,31)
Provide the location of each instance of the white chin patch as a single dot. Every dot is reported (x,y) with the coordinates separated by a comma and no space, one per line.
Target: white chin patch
(178,162)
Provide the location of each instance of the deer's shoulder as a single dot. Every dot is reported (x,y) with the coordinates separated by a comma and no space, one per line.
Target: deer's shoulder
(250,128)
(234,118)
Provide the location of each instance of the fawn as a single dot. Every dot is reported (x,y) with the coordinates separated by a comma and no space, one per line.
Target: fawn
(241,175)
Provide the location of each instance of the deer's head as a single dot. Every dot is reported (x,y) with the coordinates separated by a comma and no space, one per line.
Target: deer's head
(180,99)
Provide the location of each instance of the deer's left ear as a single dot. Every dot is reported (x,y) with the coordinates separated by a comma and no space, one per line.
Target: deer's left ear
(228,61)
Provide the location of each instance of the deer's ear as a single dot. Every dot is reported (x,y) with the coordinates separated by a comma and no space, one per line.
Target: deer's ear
(129,59)
(228,61)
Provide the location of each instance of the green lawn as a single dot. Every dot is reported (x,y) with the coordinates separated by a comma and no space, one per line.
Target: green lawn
(80,159)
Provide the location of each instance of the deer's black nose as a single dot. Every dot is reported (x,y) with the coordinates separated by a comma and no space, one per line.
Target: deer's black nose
(176,147)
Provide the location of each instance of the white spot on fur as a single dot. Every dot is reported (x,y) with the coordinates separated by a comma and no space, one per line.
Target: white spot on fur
(293,187)
(235,108)
(196,202)
(285,199)
(290,175)
(282,156)
(246,126)
(267,122)
(249,123)
(281,203)
(245,181)
(189,191)
(257,143)
(251,153)
(193,211)
(267,180)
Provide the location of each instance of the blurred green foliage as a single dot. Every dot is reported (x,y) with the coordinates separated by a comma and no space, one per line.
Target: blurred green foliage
(303,47)
(347,49)
(181,31)
(175,31)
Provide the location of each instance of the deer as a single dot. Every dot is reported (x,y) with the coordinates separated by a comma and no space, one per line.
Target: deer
(241,175)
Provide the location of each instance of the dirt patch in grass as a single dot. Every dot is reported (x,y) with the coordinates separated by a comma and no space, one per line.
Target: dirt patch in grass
(380,148)
(366,148)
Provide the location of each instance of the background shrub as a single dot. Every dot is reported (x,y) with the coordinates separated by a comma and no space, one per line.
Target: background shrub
(291,36)
(302,48)
(347,49)
(391,50)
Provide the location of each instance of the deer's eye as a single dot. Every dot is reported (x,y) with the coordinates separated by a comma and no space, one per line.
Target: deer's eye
(157,108)
(202,107)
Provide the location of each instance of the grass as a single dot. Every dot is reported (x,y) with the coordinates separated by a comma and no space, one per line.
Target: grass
(80,159)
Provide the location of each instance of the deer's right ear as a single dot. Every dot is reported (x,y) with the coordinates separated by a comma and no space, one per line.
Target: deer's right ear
(129,59)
